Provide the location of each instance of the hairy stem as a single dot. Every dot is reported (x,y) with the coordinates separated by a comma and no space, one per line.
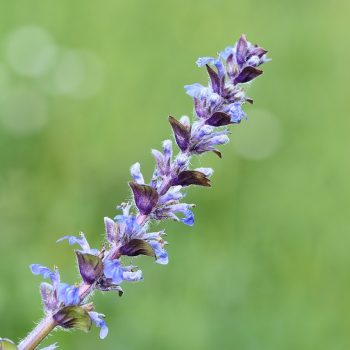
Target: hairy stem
(38,334)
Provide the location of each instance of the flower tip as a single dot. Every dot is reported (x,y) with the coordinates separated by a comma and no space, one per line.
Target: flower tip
(103,332)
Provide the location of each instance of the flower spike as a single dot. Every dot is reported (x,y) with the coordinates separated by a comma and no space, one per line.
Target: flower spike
(217,105)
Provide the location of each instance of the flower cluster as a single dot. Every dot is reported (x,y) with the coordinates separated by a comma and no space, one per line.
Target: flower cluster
(216,106)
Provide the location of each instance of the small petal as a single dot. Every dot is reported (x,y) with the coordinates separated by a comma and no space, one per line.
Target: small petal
(189,218)
(99,321)
(158,156)
(229,50)
(253,61)
(195,90)
(167,149)
(202,61)
(173,194)
(185,209)
(45,272)
(182,160)
(68,295)
(48,296)
(219,140)
(236,112)
(160,253)
(110,229)
(136,174)
(113,270)
(82,241)
(132,276)
(185,120)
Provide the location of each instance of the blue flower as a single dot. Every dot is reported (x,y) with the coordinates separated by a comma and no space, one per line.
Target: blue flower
(114,270)
(127,226)
(99,321)
(65,293)
(82,242)
(227,51)
(159,251)
(202,61)
(195,90)
(68,295)
(46,273)
(236,112)
(173,194)
(136,174)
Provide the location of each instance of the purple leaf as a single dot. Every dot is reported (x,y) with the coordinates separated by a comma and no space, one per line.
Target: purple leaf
(146,197)
(90,267)
(247,74)
(136,247)
(218,119)
(181,132)
(191,177)
(241,50)
(214,78)
(257,51)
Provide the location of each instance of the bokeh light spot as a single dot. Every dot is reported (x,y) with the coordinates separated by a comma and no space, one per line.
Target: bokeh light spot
(259,137)
(78,73)
(23,111)
(30,50)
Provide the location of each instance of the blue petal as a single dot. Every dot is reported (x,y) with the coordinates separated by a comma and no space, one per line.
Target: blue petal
(202,61)
(112,269)
(189,218)
(81,241)
(68,295)
(103,331)
(160,253)
(227,52)
(135,171)
(218,140)
(45,272)
(99,321)
(236,112)
(110,229)
(194,90)
(132,276)
(128,224)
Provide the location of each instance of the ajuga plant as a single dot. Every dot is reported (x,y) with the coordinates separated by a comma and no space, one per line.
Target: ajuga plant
(216,107)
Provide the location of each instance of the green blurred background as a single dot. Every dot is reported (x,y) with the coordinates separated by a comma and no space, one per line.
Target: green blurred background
(85,91)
